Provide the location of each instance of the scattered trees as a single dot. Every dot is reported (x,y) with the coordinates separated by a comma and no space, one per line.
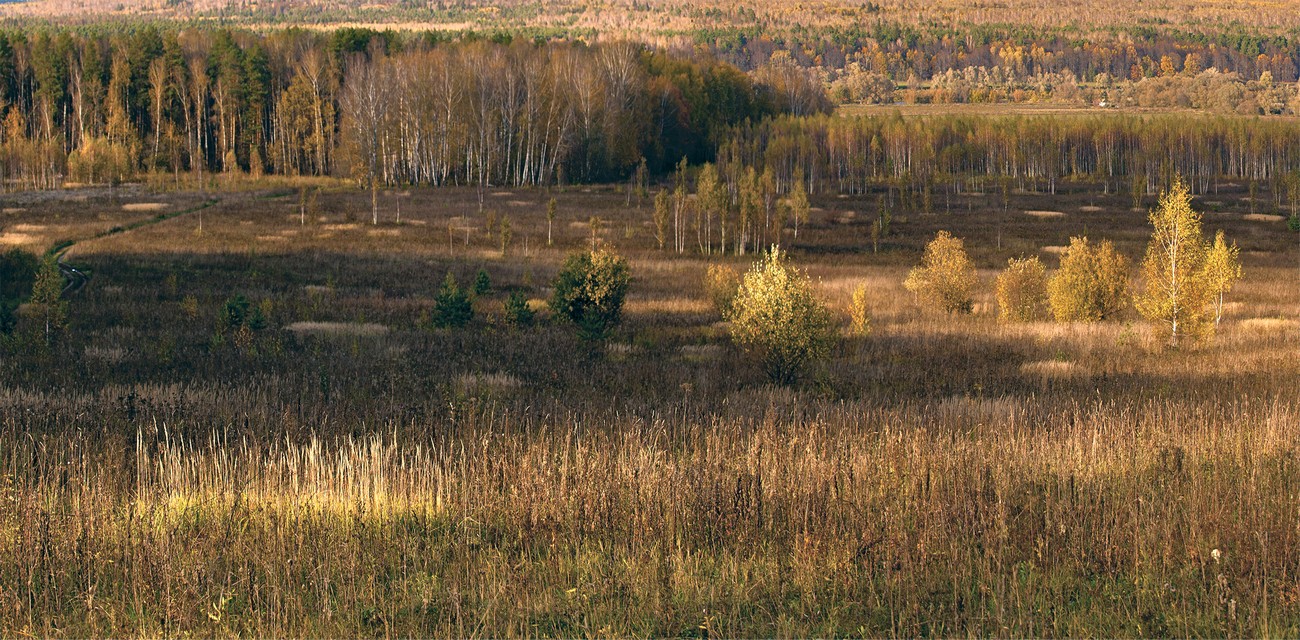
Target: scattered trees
(589,291)
(945,279)
(778,318)
(1091,284)
(1021,290)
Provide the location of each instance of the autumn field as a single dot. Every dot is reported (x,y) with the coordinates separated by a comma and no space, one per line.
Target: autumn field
(341,467)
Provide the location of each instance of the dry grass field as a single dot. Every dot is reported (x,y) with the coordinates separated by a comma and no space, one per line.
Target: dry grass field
(346,470)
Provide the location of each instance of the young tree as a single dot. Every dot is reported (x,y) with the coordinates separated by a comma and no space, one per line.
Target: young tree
(1222,270)
(451,307)
(1091,284)
(721,283)
(860,312)
(1022,290)
(589,291)
(799,205)
(551,208)
(778,318)
(945,278)
(661,216)
(1176,296)
(47,302)
(518,313)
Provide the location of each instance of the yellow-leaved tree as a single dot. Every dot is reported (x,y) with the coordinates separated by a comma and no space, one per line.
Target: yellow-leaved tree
(777,316)
(945,278)
(1176,295)
(1222,270)
(1022,290)
(1091,284)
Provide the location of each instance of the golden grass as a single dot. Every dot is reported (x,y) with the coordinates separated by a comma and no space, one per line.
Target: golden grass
(1044,214)
(366,329)
(1263,217)
(136,207)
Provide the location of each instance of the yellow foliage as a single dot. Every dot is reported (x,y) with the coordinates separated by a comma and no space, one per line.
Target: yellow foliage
(1176,297)
(946,278)
(777,317)
(721,283)
(1022,290)
(1091,284)
(859,313)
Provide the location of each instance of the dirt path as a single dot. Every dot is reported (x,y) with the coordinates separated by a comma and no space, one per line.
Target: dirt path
(77,279)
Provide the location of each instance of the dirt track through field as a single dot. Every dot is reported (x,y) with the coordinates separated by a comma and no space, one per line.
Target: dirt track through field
(77,279)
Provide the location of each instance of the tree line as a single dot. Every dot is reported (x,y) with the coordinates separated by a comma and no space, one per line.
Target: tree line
(914,155)
(381,107)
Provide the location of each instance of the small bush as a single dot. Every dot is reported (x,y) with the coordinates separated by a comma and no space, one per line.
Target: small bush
(18,270)
(859,313)
(589,291)
(945,278)
(1092,283)
(720,284)
(777,316)
(518,313)
(482,283)
(1022,290)
(451,306)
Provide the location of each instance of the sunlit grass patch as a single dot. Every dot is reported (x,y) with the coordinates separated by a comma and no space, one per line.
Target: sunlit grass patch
(363,329)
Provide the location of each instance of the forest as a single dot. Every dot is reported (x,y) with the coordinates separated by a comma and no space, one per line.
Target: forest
(361,104)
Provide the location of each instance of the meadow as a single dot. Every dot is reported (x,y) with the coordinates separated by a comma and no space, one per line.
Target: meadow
(344,469)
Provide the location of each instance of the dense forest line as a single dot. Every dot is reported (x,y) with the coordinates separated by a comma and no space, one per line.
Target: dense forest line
(398,109)
(861,154)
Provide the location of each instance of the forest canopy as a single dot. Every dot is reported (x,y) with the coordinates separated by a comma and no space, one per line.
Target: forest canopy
(365,104)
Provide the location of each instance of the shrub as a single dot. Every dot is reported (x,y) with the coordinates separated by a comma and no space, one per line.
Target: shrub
(17,276)
(945,278)
(720,284)
(518,313)
(589,291)
(239,313)
(451,306)
(482,283)
(1091,284)
(859,313)
(1022,290)
(777,316)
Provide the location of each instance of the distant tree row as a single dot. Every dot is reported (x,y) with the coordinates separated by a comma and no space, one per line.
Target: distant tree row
(1125,151)
(1185,278)
(375,106)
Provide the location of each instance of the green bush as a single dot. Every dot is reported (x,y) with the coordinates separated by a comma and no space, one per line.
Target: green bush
(451,307)
(17,276)
(482,283)
(518,313)
(589,291)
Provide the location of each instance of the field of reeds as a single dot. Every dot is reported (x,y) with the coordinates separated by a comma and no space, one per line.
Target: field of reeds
(343,469)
